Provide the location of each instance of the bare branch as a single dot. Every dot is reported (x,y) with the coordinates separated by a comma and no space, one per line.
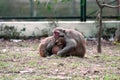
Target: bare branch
(110,6)
(98,3)
(47,2)
(106,5)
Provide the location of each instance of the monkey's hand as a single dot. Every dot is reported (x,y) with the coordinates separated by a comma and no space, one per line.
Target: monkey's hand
(71,45)
(59,53)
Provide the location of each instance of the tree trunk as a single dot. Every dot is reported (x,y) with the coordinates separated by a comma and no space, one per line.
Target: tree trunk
(117,35)
(100,31)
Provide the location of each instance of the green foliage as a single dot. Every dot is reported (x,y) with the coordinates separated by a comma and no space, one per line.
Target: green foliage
(65,1)
(3,64)
(15,8)
(9,32)
(21,8)
(111,77)
(45,32)
(109,31)
(49,6)
(55,1)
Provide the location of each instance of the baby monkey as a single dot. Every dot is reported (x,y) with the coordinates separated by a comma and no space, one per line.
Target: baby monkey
(60,43)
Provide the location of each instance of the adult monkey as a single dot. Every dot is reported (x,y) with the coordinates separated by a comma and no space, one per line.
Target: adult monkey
(75,42)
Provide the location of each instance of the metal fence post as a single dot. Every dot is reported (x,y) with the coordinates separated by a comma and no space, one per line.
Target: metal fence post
(31,8)
(83,10)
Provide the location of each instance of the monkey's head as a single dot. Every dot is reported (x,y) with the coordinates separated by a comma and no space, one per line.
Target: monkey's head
(59,32)
(59,44)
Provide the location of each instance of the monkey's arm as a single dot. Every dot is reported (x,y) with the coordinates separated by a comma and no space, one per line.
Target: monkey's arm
(49,48)
(70,45)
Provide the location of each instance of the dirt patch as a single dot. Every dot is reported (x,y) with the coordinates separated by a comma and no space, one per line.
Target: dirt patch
(20,61)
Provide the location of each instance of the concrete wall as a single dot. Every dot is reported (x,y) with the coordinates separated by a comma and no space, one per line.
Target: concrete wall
(36,28)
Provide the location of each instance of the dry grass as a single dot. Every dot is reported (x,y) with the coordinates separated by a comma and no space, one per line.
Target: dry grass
(20,61)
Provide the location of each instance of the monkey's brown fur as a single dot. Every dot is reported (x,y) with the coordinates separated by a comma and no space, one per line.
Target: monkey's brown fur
(43,44)
(80,48)
(59,44)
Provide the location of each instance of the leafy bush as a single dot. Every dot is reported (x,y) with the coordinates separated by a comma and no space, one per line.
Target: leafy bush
(9,32)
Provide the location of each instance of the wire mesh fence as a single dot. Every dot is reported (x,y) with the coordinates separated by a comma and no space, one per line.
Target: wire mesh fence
(53,9)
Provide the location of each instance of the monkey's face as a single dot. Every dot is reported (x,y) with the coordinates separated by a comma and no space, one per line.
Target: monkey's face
(60,42)
(58,32)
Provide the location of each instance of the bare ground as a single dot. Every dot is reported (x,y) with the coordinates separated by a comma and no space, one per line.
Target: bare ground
(20,61)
